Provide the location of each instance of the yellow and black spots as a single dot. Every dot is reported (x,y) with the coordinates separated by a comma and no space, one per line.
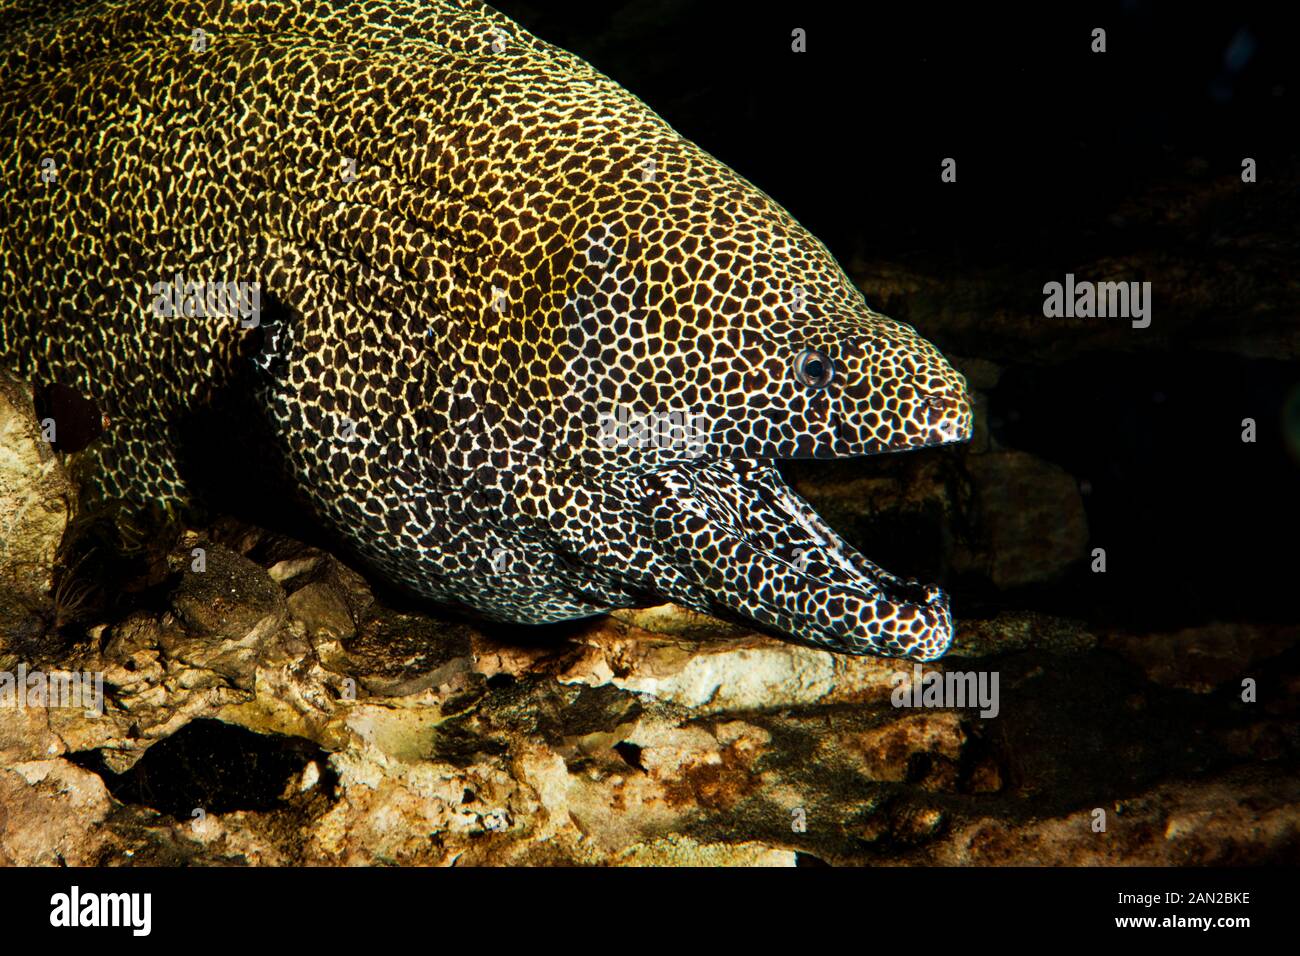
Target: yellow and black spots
(526,349)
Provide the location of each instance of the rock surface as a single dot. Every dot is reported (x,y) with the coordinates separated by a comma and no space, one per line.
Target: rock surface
(36,501)
(305,722)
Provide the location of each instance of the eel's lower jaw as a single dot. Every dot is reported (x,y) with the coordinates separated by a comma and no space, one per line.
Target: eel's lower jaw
(739,539)
(883,614)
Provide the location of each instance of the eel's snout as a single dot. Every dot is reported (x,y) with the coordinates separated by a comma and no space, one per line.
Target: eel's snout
(949,414)
(913,414)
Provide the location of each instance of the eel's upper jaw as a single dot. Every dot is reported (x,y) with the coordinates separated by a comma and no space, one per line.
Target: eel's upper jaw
(952,417)
(752,546)
(941,418)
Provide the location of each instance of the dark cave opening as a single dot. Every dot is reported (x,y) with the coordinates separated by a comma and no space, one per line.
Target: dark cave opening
(212,766)
(1197,524)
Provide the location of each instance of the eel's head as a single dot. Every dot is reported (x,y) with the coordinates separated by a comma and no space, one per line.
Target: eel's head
(753,347)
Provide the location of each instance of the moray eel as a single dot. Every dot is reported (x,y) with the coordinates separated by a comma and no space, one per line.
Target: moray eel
(518,343)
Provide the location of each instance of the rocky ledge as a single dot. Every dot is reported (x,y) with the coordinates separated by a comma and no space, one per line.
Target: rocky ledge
(260,705)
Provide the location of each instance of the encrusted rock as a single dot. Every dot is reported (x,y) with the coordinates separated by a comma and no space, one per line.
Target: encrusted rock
(36,502)
(416,740)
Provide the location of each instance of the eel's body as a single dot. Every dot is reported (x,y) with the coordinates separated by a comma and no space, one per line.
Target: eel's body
(481,265)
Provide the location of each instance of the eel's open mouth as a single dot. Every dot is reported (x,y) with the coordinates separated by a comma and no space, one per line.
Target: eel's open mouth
(731,535)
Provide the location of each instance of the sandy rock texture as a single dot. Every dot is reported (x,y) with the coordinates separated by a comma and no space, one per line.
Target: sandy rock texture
(36,501)
(267,709)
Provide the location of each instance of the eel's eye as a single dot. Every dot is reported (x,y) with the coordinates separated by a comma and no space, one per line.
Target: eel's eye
(814,369)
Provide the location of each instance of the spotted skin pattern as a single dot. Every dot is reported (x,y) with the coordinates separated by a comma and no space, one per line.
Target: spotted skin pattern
(474,254)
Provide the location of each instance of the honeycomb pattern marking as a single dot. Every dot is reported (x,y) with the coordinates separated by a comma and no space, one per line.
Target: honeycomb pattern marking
(482,252)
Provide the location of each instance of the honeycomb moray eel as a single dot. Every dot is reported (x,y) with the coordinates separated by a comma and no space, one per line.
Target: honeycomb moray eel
(517,342)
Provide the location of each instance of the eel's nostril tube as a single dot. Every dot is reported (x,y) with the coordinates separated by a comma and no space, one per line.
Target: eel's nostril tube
(949,399)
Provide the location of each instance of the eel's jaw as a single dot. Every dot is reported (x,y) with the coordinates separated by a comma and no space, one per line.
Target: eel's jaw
(737,538)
